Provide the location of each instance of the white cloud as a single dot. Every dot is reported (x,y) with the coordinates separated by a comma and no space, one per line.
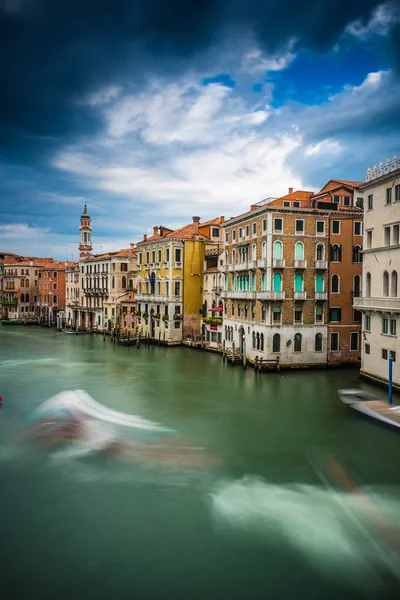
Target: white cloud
(323,147)
(383,18)
(255,62)
(103,96)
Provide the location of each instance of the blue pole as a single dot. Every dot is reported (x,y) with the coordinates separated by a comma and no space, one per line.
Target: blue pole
(390,378)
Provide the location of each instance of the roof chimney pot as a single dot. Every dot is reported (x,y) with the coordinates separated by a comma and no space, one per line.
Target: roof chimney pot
(290,190)
(196,221)
(155,230)
(144,237)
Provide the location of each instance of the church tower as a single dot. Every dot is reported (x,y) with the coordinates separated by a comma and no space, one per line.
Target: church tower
(85,245)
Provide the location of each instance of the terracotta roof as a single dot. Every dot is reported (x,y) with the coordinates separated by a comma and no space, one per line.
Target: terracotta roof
(301,195)
(186,233)
(216,221)
(126,253)
(334,184)
(29,261)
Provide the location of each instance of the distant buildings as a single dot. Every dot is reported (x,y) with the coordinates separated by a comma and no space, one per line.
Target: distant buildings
(380,301)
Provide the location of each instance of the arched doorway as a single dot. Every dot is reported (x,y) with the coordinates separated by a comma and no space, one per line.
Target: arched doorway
(242,340)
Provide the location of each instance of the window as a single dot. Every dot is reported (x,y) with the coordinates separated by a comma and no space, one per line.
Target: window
(233,309)
(55,274)
(240,233)
(254,228)
(262,342)
(277,282)
(167,255)
(276,343)
(178,255)
(215,232)
(234,235)
(369,239)
(396,236)
(336,253)
(320,228)
(368,285)
(335,314)
(367,323)
(55,286)
(397,193)
(254,252)
(123,282)
(276,315)
(370,202)
(264,250)
(299,251)
(393,323)
(389,195)
(367,349)
(318,342)
(319,283)
(386,284)
(357,286)
(177,324)
(357,228)
(226,236)
(298,315)
(393,287)
(177,288)
(263,312)
(247,230)
(54,299)
(297,342)
(286,203)
(385,325)
(392,353)
(253,312)
(296,204)
(320,252)
(298,282)
(147,259)
(354,340)
(159,256)
(264,225)
(319,314)
(386,235)
(384,354)
(335,284)
(334,342)
(336,227)
(278,225)
(346,200)
(299,226)
(277,250)
(357,256)
(246,311)
(336,199)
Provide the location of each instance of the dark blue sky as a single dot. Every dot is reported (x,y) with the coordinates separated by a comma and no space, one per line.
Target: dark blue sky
(151,111)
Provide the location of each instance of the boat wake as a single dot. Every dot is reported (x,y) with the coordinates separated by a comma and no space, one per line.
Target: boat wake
(311,521)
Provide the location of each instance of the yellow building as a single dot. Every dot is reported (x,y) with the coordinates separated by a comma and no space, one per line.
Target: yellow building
(171,279)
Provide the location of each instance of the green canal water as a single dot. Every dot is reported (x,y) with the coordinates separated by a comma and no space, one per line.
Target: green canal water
(260,524)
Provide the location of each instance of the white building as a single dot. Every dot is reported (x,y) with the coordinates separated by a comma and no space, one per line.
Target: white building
(380,301)
(72,293)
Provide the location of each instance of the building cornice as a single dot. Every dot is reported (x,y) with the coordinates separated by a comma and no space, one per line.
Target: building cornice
(385,178)
(286,210)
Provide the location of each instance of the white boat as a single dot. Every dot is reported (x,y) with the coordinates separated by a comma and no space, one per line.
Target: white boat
(371,407)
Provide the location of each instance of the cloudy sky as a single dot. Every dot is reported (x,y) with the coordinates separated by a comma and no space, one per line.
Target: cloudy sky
(152,111)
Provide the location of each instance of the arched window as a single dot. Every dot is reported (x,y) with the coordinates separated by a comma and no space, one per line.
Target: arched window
(320,252)
(318,342)
(264,282)
(336,253)
(233,256)
(298,282)
(262,342)
(263,312)
(393,289)
(225,283)
(278,250)
(254,284)
(226,257)
(368,285)
(299,251)
(254,252)
(319,283)
(254,339)
(22,282)
(386,283)
(22,298)
(26,297)
(258,340)
(276,343)
(123,282)
(335,284)
(357,256)
(297,342)
(277,282)
(264,250)
(357,286)
(113,282)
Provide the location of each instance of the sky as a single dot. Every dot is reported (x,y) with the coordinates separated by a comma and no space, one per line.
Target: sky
(151,111)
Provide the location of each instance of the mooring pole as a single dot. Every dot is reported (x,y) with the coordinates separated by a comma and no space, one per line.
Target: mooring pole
(390,378)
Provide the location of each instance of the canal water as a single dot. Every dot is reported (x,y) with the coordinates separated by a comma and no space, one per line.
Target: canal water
(259,520)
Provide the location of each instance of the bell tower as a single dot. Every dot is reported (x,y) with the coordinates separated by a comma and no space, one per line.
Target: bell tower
(85,244)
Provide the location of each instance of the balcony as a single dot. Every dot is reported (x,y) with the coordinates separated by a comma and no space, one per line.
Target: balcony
(300,264)
(239,295)
(278,263)
(252,264)
(270,295)
(157,298)
(321,295)
(262,263)
(321,264)
(216,289)
(380,304)
(243,266)
(300,295)
(6,302)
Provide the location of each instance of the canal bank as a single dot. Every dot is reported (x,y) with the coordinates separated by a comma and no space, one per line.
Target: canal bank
(260,525)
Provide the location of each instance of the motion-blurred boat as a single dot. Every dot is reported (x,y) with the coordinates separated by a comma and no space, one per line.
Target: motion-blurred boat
(371,407)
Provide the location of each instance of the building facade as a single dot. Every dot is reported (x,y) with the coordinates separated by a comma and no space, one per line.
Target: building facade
(51,291)
(278,281)
(20,287)
(380,301)
(72,294)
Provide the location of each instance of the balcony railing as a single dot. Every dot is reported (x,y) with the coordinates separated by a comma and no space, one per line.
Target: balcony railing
(262,263)
(300,295)
(321,264)
(278,263)
(300,264)
(157,298)
(270,295)
(239,295)
(321,295)
(384,304)
(242,266)
(252,264)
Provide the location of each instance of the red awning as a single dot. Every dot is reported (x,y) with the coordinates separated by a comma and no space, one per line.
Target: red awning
(217,309)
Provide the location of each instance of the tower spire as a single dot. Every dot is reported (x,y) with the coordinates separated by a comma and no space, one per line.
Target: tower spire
(85,243)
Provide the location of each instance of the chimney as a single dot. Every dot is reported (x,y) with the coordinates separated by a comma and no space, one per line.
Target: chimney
(290,190)
(144,237)
(222,219)
(155,230)
(196,221)
(132,245)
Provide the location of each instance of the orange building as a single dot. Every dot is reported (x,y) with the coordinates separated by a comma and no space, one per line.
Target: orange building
(52,290)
